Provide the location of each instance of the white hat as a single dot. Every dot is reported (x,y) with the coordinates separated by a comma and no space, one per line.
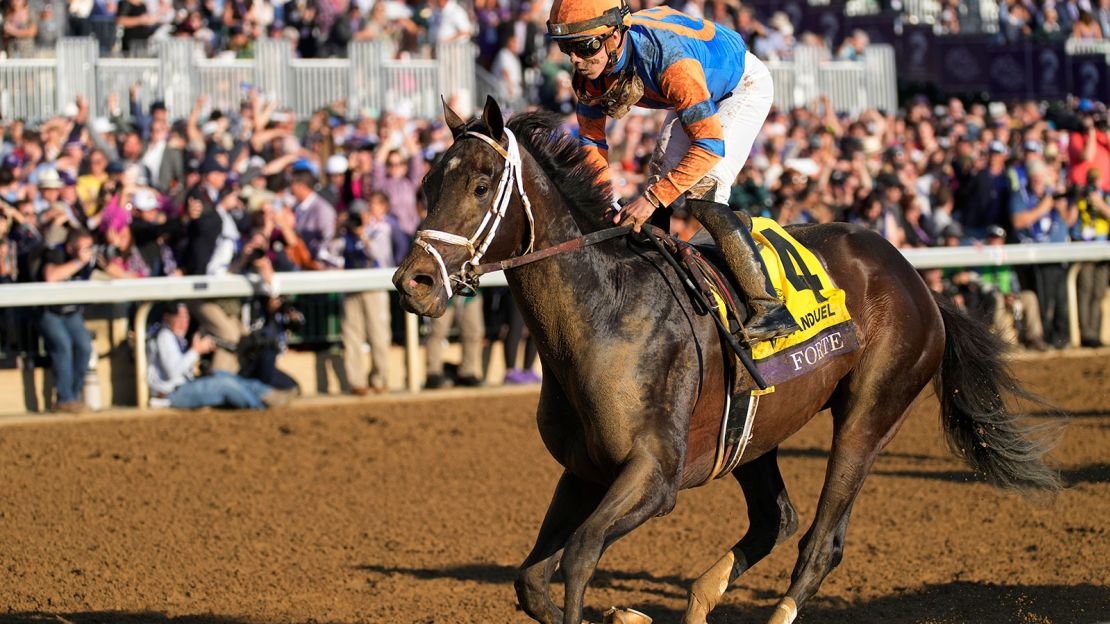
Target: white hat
(144,199)
(69,110)
(336,164)
(210,128)
(781,22)
(49,179)
(102,125)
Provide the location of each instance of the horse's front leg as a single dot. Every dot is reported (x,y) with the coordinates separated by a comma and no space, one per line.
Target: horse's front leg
(574,500)
(643,489)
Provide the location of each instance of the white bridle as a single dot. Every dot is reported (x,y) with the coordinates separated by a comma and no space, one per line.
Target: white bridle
(487,229)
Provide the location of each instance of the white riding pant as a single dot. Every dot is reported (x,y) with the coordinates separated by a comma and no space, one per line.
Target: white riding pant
(742,116)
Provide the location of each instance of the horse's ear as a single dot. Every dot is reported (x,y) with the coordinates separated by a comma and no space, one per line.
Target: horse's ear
(454,122)
(491,116)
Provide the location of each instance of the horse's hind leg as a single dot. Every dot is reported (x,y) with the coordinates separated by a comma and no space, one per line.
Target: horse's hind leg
(771,519)
(574,500)
(866,415)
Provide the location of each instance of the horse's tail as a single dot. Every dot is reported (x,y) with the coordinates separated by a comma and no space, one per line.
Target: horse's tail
(972,385)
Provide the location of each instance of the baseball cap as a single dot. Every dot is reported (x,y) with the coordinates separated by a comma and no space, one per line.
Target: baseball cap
(336,164)
(995,231)
(144,200)
(49,179)
(304,164)
(1034,146)
(998,147)
(12,161)
(115,166)
(211,165)
(249,175)
(952,230)
(102,125)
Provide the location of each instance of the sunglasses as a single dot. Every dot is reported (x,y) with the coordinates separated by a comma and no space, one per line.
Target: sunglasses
(583,47)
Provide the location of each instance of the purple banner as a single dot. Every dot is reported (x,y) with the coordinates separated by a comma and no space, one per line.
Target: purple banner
(1010,72)
(961,64)
(809,356)
(917,54)
(1090,77)
(1050,71)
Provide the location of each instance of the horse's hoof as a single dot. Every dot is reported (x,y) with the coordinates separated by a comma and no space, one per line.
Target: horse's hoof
(785,612)
(625,616)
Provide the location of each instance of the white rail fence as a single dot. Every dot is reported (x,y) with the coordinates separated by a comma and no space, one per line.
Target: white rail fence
(852,86)
(36,89)
(149,290)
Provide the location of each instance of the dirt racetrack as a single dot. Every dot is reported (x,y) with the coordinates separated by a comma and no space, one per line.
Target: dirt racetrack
(419,511)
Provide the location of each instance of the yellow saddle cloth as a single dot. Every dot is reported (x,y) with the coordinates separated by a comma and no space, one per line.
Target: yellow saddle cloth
(802,283)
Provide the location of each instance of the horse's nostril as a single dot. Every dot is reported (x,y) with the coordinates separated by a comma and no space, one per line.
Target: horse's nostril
(421,281)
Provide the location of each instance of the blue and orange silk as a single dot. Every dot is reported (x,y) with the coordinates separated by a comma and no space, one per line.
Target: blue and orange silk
(687,64)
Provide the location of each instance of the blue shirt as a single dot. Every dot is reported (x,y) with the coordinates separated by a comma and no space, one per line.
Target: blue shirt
(1050,228)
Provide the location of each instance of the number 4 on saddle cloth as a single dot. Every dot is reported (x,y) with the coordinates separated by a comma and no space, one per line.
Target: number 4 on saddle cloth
(799,279)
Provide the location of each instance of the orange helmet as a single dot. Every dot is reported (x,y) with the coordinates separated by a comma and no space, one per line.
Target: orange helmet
(571,19)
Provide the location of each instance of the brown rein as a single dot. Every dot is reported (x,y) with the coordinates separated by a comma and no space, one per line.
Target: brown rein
(575,243)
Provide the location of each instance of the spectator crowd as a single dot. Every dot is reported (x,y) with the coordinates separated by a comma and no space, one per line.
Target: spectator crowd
(259,190)
(510,34)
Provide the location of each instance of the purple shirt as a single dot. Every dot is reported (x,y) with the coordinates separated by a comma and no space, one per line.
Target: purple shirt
(316,221)
(402,192)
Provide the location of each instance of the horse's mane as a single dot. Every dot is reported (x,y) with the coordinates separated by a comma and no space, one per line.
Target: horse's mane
(565,162)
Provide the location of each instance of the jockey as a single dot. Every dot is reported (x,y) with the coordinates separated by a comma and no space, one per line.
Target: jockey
(718,93)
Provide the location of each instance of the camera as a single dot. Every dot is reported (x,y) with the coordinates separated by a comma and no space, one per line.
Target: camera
(106,252)
(255,255)
(290,317)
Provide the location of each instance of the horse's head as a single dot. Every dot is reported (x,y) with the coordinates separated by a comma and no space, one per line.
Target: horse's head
(477,212)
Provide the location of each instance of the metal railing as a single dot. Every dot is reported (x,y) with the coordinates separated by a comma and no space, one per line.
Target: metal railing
(37,89)
(28,87)
(976,16)
(852,86)
(1088,46)
(149,290)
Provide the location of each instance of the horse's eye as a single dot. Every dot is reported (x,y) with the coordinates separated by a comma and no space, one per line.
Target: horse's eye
(481,190)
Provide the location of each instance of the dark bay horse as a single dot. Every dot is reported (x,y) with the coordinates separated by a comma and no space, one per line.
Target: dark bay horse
(628,363)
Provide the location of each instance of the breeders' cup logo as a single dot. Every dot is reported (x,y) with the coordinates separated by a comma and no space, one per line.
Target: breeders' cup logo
(962,65)
(1007,72)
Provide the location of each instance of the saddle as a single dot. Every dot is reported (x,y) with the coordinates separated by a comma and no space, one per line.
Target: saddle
(801,281)
(701,269)
(711,288)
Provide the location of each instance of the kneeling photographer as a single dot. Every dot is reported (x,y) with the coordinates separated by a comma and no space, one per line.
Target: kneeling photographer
(272,317)
(172,367)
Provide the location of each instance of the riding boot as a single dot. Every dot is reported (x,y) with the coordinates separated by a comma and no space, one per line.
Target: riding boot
(769,317)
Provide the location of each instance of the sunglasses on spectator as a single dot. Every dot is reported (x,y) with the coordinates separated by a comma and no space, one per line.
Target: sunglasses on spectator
(583,47)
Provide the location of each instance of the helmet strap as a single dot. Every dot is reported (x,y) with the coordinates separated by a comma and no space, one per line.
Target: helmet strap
(614,55)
